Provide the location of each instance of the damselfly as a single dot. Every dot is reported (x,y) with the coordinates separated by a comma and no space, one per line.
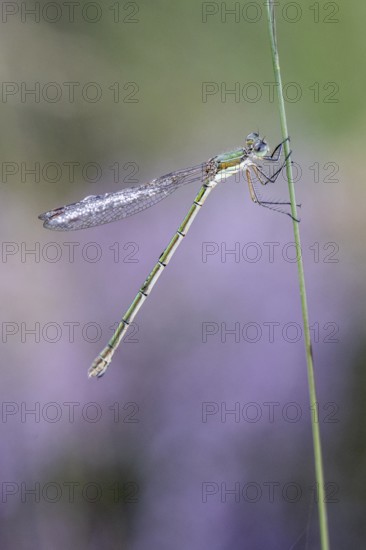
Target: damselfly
(99,209)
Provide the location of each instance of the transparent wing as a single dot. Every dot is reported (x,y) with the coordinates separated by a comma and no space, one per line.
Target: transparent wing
(99,209)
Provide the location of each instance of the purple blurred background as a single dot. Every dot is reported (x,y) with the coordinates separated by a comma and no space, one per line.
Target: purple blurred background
(198,436)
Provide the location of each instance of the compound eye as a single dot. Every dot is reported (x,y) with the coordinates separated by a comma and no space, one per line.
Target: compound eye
(260,148)
(251,138)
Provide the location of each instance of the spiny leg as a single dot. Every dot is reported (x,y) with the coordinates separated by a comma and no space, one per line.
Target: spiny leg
(271,205)
(273,158)
(274,176)
(253,194)
(252,190)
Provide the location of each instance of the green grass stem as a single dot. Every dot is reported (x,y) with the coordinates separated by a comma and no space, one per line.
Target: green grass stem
(319,473)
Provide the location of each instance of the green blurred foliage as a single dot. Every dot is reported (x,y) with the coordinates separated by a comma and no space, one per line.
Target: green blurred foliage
(169,51)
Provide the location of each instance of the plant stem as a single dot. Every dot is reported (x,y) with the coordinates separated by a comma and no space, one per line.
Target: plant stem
(322,511)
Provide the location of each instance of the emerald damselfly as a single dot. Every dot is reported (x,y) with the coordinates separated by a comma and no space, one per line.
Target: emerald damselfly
(100,209)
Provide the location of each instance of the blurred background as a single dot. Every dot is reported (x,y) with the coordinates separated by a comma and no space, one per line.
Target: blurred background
(199,435)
